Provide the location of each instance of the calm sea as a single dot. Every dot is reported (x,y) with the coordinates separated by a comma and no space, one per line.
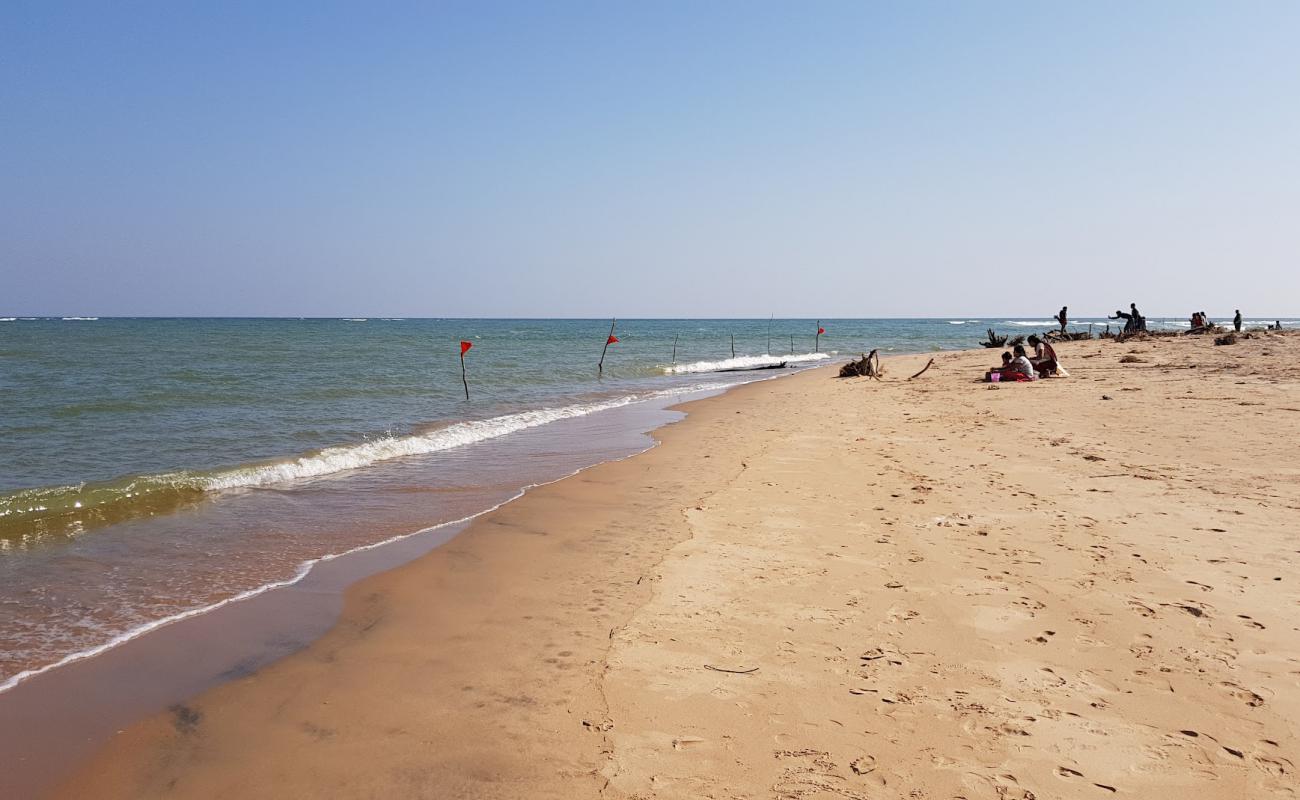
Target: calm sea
(151,468)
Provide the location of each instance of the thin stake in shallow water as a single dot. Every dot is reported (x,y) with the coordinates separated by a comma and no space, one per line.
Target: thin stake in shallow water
(463,347)
(611,339)
(675,338)
(733,345)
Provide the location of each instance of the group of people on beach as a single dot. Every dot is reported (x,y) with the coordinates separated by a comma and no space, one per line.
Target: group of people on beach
(1018,365)
(1133,320)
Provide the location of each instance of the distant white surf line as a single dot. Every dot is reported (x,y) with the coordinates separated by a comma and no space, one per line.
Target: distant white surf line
(306,567)
(8,319)
(742,362)
(79,319)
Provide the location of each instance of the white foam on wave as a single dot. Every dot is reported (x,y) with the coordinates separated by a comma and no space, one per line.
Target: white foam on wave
(1031,324)
(8,319)
(306,567)
(79,319)
(301,572)
(956,322)
(346,457)
(355,319)
(742,362)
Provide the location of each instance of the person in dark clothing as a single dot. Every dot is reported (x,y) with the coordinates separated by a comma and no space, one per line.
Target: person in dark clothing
(1138,321)
(1133,322)
(1236,321)
(1063,318)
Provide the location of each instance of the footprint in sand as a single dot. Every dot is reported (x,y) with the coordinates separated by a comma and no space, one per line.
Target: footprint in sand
(1241,693)
(1071,774)
(1142,608)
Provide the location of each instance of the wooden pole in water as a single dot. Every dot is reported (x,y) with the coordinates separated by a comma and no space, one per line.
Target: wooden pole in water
(769,334)
(463,347)
(733,345)
(817,342)
(792,344)
(600,368)
(675,338)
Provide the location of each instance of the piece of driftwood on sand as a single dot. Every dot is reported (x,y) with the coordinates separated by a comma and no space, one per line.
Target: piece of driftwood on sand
(994,340)
(868,366)
(928,364)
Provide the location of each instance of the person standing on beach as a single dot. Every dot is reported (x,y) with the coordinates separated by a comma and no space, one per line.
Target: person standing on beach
(1063,318)
(1236,321)
(1138,322)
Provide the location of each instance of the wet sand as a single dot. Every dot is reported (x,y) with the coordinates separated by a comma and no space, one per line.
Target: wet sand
(817,588)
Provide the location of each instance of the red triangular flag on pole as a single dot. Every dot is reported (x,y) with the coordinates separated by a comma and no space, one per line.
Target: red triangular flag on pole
(465,346)
(820,331)
(612,340)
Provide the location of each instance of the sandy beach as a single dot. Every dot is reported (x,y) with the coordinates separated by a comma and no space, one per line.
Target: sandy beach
(820,588)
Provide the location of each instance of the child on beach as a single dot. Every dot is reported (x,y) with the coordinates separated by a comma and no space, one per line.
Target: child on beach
(1021,367)
(1002,370)
(1014,368)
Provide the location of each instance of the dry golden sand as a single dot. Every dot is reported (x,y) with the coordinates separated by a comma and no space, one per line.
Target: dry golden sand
(944,590)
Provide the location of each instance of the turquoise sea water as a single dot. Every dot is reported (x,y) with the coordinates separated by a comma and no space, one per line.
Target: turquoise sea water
(151,467)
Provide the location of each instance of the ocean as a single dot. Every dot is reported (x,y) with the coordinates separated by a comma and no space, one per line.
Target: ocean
(155,468)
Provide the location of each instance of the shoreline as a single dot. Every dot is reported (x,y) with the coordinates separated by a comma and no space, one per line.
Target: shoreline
(280,619)
(125,766)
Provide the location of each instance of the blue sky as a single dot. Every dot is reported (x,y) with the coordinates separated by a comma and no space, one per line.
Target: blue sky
(653,159)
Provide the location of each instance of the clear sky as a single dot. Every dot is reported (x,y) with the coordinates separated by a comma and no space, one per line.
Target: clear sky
(649,159)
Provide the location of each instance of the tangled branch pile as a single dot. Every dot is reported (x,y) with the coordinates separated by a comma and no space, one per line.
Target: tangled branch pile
(868,366)
(994,340)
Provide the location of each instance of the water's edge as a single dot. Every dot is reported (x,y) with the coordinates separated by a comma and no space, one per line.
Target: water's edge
(54,717)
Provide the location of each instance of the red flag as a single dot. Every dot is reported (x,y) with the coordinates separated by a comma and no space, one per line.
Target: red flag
(465,346)
(820,331)
(612,340)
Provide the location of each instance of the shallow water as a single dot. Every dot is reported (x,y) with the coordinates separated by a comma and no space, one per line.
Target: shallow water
(151,467)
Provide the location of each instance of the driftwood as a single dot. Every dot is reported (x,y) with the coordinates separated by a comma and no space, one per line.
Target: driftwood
(994,340)
(868,366)
(928,364)
(1068,336)
(731,671)
(1137,336)
(1229,339)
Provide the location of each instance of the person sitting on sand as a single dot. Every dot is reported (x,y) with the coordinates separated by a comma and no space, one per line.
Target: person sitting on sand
(1044,359)
(1022,369)
(1003,370)
(1197,322)
(1236,321)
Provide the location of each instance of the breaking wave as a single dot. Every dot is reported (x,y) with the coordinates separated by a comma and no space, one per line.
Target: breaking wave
(72,508)
(743,362)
